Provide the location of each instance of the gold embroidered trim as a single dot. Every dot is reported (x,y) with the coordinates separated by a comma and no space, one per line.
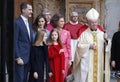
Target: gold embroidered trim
(95,59)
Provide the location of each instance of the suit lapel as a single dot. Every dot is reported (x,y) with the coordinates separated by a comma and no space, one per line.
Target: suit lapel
(30,27)
(24,27)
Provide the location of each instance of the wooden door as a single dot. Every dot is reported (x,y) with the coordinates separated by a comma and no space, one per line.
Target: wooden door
(82,6)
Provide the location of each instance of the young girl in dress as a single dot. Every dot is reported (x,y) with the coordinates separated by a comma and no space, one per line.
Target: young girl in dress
(56,57)
(57,21)
(39,57)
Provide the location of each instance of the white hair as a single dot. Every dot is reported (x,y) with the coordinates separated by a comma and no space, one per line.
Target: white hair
(45,10)
(74,13)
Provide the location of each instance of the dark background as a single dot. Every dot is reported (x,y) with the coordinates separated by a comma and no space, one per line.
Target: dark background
(6,40)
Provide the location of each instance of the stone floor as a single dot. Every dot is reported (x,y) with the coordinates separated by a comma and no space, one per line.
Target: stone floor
(113,80)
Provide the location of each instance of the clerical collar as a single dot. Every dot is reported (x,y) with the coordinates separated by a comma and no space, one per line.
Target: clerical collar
(73,23)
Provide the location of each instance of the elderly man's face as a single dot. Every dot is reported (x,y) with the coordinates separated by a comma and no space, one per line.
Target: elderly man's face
(74,17)
(47,16)
(93,24)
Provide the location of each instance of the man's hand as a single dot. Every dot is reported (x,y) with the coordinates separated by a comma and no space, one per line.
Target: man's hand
(93,46)
(105,36)
(20,61)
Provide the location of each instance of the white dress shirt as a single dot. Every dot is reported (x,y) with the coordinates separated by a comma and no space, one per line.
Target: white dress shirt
(27,24)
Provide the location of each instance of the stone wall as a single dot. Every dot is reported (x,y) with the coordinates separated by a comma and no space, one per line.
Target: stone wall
(112,16)
(61,6)
(55,6)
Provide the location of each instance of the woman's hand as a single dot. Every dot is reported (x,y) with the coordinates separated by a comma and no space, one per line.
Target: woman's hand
(69,63)
(61,50)
(50,74)
(63,71)
(35,75)
(113,64)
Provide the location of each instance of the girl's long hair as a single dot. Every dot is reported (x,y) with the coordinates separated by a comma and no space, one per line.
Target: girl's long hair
(39,37)
(50,41)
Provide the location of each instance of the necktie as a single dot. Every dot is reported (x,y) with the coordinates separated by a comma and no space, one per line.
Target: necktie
(95,59)
(27,25)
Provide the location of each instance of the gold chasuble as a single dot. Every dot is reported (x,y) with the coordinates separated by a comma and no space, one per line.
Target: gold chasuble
(95,57)
(88,63)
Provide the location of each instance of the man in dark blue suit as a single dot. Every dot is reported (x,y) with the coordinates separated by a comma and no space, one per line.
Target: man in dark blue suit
(23,38)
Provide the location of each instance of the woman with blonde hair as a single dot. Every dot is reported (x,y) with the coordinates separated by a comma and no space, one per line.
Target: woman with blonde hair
(39,57)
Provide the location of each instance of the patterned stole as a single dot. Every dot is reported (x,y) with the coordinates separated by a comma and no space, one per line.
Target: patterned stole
(95,59)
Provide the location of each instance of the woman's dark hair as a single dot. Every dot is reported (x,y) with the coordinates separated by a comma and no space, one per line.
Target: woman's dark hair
(50,41)
(24,5)
(35,24)
(55,19)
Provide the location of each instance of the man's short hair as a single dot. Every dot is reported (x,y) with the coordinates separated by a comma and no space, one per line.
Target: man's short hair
(24,5)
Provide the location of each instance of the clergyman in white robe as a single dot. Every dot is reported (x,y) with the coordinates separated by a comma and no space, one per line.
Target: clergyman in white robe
(85,69)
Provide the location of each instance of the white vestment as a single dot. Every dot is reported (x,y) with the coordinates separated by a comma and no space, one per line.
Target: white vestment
(73,47)
(83,67)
